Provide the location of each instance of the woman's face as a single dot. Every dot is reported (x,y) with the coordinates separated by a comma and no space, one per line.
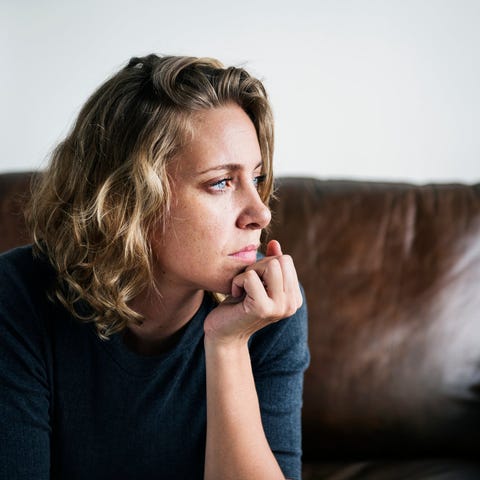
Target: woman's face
(216,216)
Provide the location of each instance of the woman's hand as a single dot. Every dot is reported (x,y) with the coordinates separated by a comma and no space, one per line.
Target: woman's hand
(265,292)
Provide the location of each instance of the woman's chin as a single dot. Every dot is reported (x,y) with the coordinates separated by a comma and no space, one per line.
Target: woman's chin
(223,283)
(223,287)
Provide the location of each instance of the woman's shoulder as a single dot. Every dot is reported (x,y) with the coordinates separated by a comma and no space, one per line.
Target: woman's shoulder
(24,282)
(17,254)
(21,266)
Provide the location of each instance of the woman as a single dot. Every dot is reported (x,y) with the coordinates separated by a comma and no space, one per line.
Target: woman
(141,335)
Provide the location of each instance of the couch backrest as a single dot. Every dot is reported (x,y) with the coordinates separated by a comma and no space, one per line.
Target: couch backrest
(14,193)
(392,277)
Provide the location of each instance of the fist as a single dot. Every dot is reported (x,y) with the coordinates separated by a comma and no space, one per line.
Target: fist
(265,292)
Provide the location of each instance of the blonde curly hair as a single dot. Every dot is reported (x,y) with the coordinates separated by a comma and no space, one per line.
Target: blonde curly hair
(106,188)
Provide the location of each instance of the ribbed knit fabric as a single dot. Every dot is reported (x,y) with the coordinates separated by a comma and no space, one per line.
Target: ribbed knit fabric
(75,407)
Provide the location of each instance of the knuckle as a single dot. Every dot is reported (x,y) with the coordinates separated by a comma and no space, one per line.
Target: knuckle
(287,259)
(289,314)
(290,306)
(273,264)
(299,297)
(250,275)
(299,301)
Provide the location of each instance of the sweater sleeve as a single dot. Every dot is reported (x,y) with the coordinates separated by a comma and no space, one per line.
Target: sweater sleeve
(24,391)
(280,357)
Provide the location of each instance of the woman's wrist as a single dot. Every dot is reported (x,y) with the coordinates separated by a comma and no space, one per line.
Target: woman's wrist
(222,344)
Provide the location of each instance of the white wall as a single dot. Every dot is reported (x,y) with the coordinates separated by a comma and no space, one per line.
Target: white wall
(380,89)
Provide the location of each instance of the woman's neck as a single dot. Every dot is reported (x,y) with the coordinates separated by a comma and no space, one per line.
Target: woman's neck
(164,316)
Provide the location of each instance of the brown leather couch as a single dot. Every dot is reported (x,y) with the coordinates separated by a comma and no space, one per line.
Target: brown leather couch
(392,277)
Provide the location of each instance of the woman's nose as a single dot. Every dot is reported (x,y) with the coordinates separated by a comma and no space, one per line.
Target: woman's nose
(254,214)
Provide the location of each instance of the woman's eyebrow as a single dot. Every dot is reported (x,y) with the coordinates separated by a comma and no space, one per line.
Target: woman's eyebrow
(227,166)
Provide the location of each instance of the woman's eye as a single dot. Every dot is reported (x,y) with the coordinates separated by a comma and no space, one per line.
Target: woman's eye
(259,180)
(221,185)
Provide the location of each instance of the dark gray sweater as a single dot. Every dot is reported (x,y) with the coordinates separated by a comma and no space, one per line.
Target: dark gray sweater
(75,407)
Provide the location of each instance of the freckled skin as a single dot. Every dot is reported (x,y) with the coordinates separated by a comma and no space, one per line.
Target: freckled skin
(210,219)
(215,222)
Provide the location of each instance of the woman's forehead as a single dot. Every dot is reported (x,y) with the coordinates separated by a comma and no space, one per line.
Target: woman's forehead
(223,138)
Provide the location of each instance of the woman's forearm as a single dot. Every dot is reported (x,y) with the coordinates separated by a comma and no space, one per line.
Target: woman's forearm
(237,447)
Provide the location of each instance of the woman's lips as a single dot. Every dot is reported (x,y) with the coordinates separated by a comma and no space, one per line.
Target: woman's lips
(247,254)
